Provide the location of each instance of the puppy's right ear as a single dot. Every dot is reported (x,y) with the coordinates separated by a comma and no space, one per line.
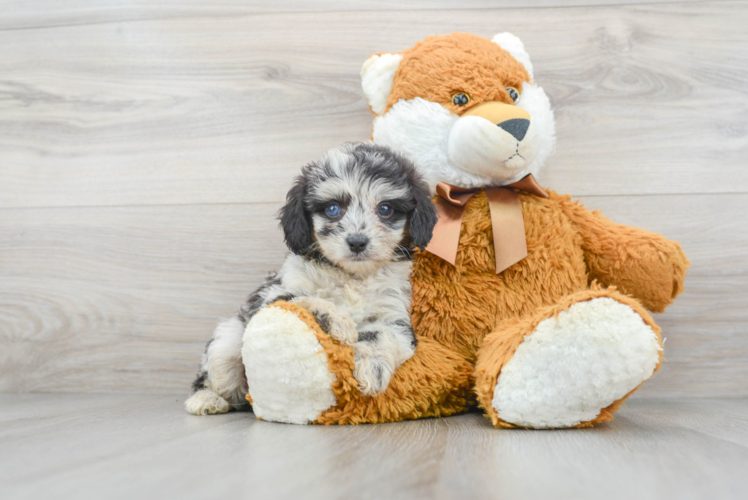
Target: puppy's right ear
(294,218)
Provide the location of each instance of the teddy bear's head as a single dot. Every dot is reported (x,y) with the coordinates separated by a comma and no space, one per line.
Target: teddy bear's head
(465,109)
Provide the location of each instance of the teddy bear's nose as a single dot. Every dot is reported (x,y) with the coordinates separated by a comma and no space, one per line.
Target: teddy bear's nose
(516,126)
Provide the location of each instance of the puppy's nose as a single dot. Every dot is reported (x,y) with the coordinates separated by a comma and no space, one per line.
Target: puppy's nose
(357,242)
(516,126)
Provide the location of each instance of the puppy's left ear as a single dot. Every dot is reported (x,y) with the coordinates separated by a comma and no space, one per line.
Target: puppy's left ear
(423,217)
(294,218)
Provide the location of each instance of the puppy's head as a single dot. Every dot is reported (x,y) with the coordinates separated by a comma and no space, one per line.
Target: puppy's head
(360,206)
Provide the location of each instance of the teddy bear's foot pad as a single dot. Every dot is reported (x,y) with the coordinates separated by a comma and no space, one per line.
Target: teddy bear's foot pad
(287,370)
(575,364)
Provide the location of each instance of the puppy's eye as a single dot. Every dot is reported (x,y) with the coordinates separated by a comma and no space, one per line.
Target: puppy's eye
(460,99)
(385,211)
(332,210)
(513,93)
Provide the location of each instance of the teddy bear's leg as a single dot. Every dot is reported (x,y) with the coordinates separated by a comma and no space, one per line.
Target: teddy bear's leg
(298,374)
(568,365)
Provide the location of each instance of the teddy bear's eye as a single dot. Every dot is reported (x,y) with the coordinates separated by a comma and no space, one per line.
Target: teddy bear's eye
(460,99)
(512,93)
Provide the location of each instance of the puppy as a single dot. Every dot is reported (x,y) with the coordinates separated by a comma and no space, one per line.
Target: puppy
(351,221)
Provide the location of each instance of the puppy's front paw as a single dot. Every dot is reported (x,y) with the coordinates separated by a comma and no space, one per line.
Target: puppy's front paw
(341,328)
(372,374)
(206,402)
(335,323)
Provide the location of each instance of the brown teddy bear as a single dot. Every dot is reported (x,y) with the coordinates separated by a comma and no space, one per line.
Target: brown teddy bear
(524,303)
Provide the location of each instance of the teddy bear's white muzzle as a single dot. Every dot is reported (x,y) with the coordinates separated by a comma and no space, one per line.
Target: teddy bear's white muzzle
(496,151)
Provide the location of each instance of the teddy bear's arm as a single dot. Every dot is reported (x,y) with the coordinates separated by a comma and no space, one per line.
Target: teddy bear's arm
(642,264)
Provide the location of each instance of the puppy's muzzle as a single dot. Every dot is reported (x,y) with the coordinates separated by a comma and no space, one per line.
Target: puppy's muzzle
(357,242)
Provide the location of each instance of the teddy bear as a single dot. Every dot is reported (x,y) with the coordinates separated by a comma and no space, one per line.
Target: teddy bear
(525,304)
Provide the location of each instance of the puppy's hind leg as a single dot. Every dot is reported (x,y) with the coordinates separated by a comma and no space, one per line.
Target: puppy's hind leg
(221,383)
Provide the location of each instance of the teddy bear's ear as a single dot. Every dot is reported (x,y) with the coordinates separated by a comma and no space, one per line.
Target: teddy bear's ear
(377,75)
(516,48)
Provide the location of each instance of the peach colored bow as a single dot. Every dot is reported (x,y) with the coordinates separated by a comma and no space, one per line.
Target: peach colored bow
(509,240)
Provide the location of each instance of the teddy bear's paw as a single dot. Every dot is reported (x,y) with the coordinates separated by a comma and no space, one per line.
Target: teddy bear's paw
(206,402)
(575,364)
(287,371)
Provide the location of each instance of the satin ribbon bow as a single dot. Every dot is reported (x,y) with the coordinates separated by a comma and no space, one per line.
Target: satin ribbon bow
(509,240)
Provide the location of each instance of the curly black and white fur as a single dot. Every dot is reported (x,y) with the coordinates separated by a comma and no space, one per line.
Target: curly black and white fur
(351,221)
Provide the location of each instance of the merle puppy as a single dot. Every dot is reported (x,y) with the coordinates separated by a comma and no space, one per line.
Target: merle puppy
(351,221)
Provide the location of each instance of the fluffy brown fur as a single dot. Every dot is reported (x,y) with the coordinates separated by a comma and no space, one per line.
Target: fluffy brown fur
(438,67)
(568,247)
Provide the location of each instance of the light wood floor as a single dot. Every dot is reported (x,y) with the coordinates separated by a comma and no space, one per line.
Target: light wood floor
(130,446)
